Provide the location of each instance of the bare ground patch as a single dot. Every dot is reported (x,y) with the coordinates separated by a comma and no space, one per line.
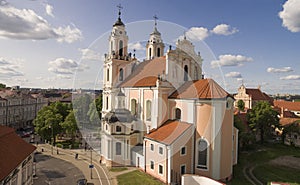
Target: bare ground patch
(287,161)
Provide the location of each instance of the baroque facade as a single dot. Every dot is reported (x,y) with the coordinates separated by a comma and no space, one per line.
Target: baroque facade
(161,115)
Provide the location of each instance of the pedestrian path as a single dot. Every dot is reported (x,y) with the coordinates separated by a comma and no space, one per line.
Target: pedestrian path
(98,175)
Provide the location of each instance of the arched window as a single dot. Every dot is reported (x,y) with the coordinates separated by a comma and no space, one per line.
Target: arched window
(120,48)
(118,148)
(118,128)
(177,113)
(150,53)
(158,52)
(106,102)
(133,107)
(111,46)
(186,73)
(148,110)
(107,74)
(121,74)
(202,154)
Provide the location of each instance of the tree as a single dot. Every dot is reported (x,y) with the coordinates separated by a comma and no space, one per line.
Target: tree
(263,119)
(241,105)
(70,125)
(245,137)
(95,108)
(47,122)
(2,86)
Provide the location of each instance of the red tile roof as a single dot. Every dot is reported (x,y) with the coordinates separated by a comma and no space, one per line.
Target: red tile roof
(13,150)
(200,89)
(168,132)
(256,94)
(146,73)
(287,121)
(287,105)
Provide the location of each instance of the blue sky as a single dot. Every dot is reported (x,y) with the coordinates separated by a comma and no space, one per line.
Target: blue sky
(44,43)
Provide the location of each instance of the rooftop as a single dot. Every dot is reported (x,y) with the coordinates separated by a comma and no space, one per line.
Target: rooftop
(168,132)
(13,151)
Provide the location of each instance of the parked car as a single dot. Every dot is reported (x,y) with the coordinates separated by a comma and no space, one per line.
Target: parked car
(82,182)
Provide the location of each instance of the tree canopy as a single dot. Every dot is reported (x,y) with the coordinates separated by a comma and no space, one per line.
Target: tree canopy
(241,105)
(263,119)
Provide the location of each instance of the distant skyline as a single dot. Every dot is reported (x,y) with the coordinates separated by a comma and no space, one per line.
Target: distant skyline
(46,43)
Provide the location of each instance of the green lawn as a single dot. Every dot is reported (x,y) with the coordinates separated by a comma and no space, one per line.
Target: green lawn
(265,172)
(118,169)
(137,178)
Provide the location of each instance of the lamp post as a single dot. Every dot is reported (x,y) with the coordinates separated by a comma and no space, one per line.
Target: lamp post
(91,163)
(52,138)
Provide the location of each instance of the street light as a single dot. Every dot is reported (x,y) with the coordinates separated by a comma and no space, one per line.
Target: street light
(51,126)
(91,164)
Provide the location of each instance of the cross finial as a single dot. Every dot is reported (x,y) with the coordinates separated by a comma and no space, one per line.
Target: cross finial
(155,20)
(120,7)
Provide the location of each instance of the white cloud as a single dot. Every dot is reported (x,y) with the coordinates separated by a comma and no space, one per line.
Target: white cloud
(291,77)
(197,33)
(9,68)
(234,75)
(290,15)
(224,29)
(25,24)
(49,10)
(230,60)
(60,76)
(89,54)
(279,70)
(65,66)
(136,46)
(68,34)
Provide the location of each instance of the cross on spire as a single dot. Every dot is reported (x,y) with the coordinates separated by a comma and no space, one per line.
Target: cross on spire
(155,20)
(120,7)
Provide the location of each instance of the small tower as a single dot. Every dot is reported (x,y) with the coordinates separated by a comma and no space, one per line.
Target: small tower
(118,39)
(155,46)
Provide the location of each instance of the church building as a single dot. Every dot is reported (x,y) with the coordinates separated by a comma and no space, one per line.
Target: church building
(161,115)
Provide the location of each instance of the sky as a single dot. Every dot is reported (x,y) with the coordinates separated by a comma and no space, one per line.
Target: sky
(60,44)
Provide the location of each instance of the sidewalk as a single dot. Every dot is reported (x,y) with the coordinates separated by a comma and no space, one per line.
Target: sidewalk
(100,174)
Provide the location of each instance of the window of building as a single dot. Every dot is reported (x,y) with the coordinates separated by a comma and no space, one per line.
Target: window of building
(107,74)
(202,154)
(133,107)
(111,46)
(160,150)
(182,169)
(160,169)
(183,150)
(118,148)
(186,73)
(177,114)
(118,129)
(149,53)
(158,52)
(120,48)
(121,74)
(106,127)
(106,102)
(24,174)
(151,147)
(14,180)
(148,110)
(152,165)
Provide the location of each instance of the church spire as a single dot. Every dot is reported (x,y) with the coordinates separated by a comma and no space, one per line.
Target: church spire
(155,46)
(119,21)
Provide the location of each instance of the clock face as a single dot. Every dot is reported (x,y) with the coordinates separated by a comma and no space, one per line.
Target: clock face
(120,32)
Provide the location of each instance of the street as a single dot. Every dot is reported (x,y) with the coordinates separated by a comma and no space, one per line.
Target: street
(100,174)
(55,171)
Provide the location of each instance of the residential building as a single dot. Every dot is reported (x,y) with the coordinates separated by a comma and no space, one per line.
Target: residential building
(16,159)
(288,108)
(181,122)
(18,109)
